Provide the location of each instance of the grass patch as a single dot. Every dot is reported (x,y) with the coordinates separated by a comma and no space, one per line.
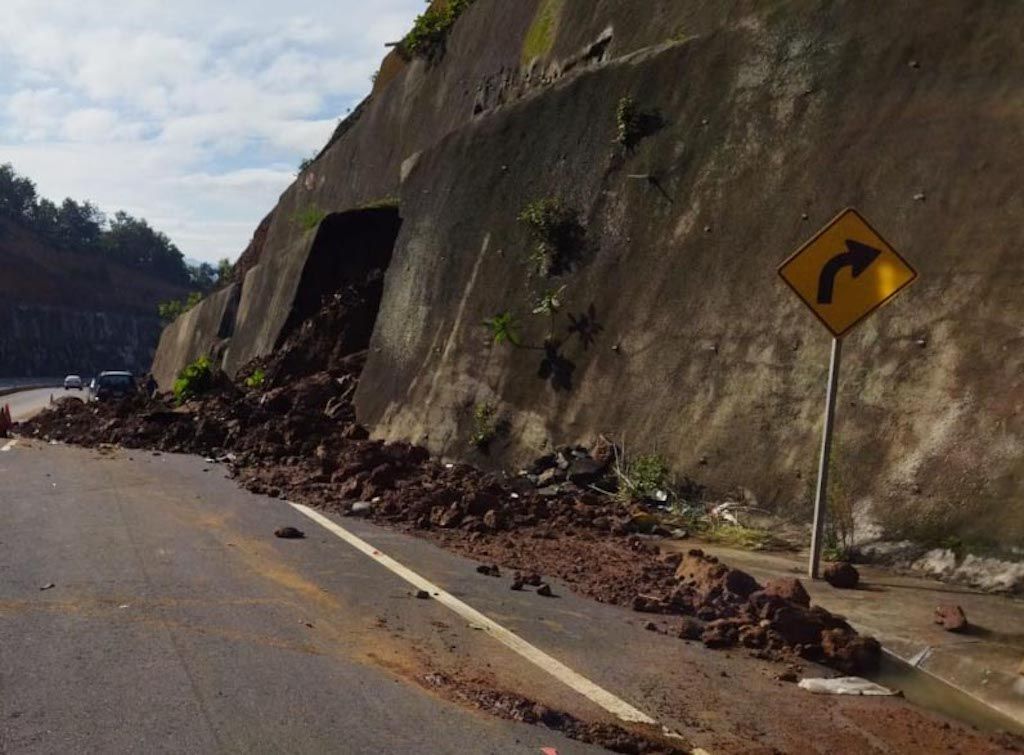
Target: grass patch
(744,538)
(540,38)
(170,311)
(646,476)
(309,218)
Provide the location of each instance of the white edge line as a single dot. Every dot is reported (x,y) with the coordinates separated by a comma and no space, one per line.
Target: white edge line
(536,656)
(9,444)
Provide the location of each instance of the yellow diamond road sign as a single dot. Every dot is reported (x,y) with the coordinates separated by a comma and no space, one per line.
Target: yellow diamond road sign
(846,272)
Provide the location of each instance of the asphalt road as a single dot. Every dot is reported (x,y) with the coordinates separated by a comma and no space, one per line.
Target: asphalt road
(26,403)
(145,606)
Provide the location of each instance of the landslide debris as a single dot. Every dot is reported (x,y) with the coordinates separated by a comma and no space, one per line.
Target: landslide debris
(514,707)
(297,436)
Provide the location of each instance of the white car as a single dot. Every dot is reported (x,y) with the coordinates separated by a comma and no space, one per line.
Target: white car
(73,381)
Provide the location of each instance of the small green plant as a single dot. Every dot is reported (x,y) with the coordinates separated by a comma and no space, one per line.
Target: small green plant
(429,32)
(309,218)
(485,425)
(504,328)
(549,303)
(194,380)
(839,518)
(643,476)
(256,379)
(632,124)
(556,231)
(169,311)
(306,162)
(628,123)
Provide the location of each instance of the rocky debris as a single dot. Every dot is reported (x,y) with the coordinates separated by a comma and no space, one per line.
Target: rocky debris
(731,609)
(842,575)
(951,618)
(422,595)
(490,570)
(514,707)
(289,533)
(545,590)
(297,437)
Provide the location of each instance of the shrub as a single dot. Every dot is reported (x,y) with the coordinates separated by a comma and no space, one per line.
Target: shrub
(309,218)
(556,230)
(503,327)
(306,162)
(643,476)
(170,311)
(194,380)
(256,379)
(485,426)
(632,124)
(430,30)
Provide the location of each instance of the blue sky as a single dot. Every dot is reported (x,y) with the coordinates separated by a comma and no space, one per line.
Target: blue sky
(193,114)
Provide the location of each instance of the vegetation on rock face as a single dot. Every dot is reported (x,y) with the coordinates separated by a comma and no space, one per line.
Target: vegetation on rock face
(556,231)
(306,162)
(484,425)
(170,311)
(430,30)
(83,228)
(632,124)
(309,218)
(643,476)
(540,38)
(504,327)
(194,380)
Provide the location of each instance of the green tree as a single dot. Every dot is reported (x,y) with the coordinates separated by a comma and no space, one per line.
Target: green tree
(17,194)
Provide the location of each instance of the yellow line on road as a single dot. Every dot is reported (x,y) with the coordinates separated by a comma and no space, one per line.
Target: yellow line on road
(536,656)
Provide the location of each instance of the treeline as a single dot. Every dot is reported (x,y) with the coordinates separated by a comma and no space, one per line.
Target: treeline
(82,227)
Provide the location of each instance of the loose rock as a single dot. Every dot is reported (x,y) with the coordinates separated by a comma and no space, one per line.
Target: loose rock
(842,575)
(289,533)
(951,618)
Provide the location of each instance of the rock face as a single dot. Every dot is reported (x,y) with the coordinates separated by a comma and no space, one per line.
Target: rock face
(65,312)
(55,341)
(673,328)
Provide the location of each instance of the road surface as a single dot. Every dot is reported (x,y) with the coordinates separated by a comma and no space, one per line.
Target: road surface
(26,403)
(145,605)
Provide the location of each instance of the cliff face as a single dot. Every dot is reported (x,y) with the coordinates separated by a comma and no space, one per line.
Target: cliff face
(675,333)
(63,313)
(53,341)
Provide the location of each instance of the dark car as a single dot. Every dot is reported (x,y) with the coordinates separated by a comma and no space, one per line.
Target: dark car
(109,385)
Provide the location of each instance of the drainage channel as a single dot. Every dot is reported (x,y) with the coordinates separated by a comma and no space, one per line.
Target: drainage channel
(931,693)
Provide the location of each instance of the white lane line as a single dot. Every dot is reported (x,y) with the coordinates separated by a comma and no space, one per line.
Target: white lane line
(9,445)
(535,655)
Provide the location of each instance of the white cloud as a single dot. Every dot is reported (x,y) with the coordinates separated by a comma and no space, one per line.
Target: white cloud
(191,119)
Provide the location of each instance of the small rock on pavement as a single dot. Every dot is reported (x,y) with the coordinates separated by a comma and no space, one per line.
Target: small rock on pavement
(422,594)
(289,533)
(842,575)
(48,586)
(491,570)
(545,590)
(361,507)
(951,618)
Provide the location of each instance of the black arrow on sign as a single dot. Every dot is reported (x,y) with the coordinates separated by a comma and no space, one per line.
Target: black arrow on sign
(858,257)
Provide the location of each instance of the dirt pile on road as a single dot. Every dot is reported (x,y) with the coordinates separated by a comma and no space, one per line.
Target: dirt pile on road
(296,435)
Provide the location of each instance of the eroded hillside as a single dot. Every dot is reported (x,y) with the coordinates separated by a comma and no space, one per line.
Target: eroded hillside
(693,145)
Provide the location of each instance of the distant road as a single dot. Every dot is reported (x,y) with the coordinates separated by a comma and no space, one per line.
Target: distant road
(26,403)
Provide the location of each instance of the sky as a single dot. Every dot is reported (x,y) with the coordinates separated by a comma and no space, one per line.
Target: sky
(191,114)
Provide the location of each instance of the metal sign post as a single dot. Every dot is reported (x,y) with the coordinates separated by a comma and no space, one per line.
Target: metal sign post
(843,274)
(821,494)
